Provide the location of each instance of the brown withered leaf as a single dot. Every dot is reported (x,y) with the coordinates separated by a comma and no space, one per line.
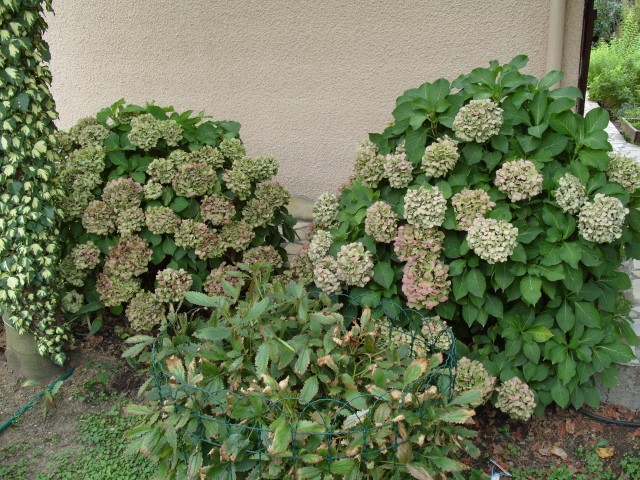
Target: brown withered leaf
(605,452)
(558,452)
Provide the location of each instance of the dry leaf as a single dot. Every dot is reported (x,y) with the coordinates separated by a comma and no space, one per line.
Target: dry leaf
(570,427)
(559,452)
(604,452)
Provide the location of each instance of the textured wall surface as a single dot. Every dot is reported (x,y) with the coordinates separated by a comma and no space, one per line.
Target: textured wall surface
(307,79)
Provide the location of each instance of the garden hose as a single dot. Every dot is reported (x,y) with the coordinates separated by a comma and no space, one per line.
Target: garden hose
(30,403)
(609,421)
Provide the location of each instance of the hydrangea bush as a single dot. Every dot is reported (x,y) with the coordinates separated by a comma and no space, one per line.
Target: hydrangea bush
(512,227)
(28,232)
(157,203)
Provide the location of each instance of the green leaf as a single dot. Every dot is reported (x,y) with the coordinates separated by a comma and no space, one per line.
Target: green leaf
(560,394)
(460,415)
(202,300)
(418,472)
(571,253)
(417,120)
(213,333)
(281,439)
(594,120)
(551,78)
(179,204)
(567,370)
(262,359)
(383,274)
(415,143)
(309,389)
(303,361)
(493,306)
(538,107)
(90,307)
(587,314)
(565,317)
(475,282)
(540,333)
(530,288)
(257,310)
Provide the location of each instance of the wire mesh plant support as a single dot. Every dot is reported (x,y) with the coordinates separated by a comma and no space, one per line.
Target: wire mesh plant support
(235,424)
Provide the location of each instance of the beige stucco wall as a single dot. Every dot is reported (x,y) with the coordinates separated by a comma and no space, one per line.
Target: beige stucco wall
(307,79)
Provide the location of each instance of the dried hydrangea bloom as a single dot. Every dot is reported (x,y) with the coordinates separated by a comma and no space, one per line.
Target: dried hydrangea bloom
(273,194)
(238,182)
(193,179)
(80,162)
(122,193)
(492,240)
(76,201)
(209,155)
(162,170)
(478,121)
(145,312)
(325,211)
(625,171)
(516,399)
(300,268)
(355,264)
(72,302)
(232,149)
(319,244)
(63,144)
(146,131)
(257,213)
(471,375)
(71,274)
(425,207)
(601,221)
(115,290)
(325,275)
(571,194)
(440,157)
(88,132)
(160,220)
(425,284)
(469,205)
(217,210)
(179,157)
(185,234)
(258,169)
(266,255)
(85,256)
(152,190)
(519,180)
(229,273)
(381,222)
(418,244)
(171,285)
(398,170)
(237,235)
(436,332)
(208,242)
(98,218)
(369,166)
(130,257)
(129,220)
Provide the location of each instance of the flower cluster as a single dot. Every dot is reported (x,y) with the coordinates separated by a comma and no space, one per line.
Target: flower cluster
(232,149)
(469,205)
(208,243)
(88,132)
(238,182)
(224,273)
(381,222)
(217,210)
(122,193)
(79,175)
(114,290)
(437,333)
(146,131)
(369,166)
(128,258)
(478,121)
(209,155)
(71,302)
(85,256)
(425,207)
(145,312)
(319,244)
(516,399)
(471,375)
(625,171)
(171,285)
(193,179)
(162,170)
(325,211)
(325,275)
(237,235)
(418,244)
(398,170)
(440,157)
(425,284)
(152,190)
(355,264)
(160,220)
(257,169)
(519,180)
(492,240)
(601,221)
(570,194)
(262,256)
(98,218)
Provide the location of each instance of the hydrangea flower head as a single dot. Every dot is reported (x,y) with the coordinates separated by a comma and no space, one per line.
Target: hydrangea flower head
(115,290)
(398,170)
(440,157)
(145,312)
(570,194)
(160,220)
(88,132)
(516,399)
(325,276)
(162,170)
(492,240)
(425,207)
(237,235)
(98,218)
(478,121)
(146,131)
(355,264)
(258,169)
(624,170)
(171,285)
(229,273)
(519,180)
(128,258)
(217,210)
(193,179)
(601,221)
(209,155)
(85,256)
(319,245)
(425,284)
(369,166)
(238,182)
(265,255)
(129,220)
(471,375)
(325,211)
(381,222)
(72,302)
(469,205)
(122,193)
(232,149)
(418,244)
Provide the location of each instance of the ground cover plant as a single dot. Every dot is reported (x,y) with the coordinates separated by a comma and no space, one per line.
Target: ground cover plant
(157,203)
(28,232)
(489,203)
(273,384)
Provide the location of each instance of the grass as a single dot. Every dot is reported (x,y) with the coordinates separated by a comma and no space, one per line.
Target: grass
(100,457)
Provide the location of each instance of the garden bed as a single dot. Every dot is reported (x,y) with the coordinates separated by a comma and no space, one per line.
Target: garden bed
(629,129)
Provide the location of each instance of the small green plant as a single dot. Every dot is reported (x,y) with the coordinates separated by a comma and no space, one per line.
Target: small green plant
(49,393)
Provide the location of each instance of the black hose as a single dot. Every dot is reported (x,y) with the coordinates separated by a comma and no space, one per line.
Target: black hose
(609,421)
